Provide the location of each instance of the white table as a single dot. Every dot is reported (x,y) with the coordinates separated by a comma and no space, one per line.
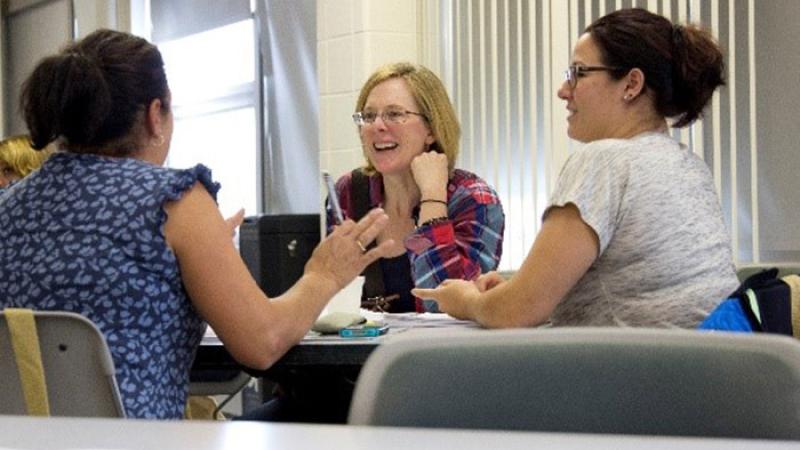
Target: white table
(96,434)
(326,351)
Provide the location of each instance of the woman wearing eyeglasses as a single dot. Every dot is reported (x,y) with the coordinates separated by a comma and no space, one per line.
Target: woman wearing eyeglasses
(634,234)
(445,222)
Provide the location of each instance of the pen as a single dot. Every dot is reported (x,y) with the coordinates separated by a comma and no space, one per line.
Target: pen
(333,198)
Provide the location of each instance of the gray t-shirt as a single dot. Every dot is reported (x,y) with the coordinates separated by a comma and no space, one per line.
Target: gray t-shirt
(665,258)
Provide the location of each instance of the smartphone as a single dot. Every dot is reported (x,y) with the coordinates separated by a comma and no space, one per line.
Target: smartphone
(333,198)
(363,331)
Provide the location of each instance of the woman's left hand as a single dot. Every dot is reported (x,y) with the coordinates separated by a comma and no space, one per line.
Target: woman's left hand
(430,173)
(458,298)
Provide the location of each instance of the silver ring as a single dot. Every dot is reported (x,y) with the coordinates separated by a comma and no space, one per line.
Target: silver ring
(361,246)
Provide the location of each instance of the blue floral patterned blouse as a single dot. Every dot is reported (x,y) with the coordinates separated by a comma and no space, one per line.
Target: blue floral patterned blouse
(85,234)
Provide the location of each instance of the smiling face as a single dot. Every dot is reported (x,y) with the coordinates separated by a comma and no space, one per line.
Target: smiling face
(595,104)
(389,146)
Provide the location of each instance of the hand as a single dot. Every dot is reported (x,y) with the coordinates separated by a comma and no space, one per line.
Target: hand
(340,257)
(430,172)
(457,298)
(488,281)
(235,220)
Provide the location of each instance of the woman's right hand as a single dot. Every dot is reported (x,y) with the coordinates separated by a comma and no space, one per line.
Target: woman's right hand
(340,256)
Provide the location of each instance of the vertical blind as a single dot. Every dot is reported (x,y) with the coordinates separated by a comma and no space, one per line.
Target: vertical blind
(503,60)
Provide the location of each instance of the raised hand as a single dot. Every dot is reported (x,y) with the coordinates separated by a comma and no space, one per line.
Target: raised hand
(342,255)
(430,173)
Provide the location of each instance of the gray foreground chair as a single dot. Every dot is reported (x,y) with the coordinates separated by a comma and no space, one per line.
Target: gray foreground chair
(629,381)
(77,364)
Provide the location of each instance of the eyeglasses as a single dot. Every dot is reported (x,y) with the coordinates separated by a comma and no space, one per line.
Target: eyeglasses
(397,116)
(574,72)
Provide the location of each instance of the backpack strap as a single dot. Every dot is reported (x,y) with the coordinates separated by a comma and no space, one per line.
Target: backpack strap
(25,341)
(794,287)
(373,294)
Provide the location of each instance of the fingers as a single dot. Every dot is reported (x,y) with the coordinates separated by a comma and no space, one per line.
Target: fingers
(236,219)
(380,251)
(233,222)
(368,228)
(423,293)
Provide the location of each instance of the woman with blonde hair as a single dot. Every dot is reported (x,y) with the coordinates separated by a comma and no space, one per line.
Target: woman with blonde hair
(445,222)
(18,158)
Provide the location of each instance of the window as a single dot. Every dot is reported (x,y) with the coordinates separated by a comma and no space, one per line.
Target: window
(212,77)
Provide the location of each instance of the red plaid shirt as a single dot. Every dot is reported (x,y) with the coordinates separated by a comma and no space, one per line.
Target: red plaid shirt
(469,243)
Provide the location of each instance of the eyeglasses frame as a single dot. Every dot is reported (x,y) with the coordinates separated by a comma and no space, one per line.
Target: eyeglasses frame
(358,118)
(576,69)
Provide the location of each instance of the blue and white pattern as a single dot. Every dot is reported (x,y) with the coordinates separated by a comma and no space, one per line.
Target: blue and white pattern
(85,234)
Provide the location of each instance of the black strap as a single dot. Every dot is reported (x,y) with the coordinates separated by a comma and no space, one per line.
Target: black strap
(373,275)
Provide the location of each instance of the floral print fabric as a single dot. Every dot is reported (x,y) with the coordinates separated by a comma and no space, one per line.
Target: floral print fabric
(85,234)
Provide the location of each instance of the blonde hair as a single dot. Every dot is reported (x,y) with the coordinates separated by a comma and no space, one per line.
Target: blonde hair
(18,154)
(431,98)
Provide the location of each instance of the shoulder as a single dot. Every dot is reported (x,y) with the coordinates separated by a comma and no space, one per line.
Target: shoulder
(344,182)
(603,151)
(618,155)
(626,149)
(464,184)
(172,183)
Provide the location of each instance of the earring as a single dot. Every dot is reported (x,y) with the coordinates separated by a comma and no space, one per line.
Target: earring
(627,97)
(160,141)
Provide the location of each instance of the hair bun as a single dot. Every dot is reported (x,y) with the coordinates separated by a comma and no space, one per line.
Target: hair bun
(677,35)
(89,95)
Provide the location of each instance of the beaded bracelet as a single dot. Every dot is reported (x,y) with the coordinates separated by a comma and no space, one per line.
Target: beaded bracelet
(434,221)
(431,200)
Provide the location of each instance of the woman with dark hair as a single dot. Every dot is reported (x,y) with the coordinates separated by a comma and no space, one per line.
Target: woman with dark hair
(634,234)
(103,230)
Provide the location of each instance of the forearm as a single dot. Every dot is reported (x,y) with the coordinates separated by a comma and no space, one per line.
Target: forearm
(432,208)
(562,253)
(510,305)
(445,259)
(298,308)
(460,248)
(259,331)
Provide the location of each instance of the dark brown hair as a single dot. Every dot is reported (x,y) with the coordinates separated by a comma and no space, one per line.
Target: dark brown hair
(682,65)
(94,93)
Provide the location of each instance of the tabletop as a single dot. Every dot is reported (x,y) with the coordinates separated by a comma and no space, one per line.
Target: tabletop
(27,433)
(324,350)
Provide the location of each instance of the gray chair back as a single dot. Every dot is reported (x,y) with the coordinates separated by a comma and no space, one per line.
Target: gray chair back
(77,364)
(628,381)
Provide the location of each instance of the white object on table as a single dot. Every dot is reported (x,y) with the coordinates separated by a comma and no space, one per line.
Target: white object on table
(347,300)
